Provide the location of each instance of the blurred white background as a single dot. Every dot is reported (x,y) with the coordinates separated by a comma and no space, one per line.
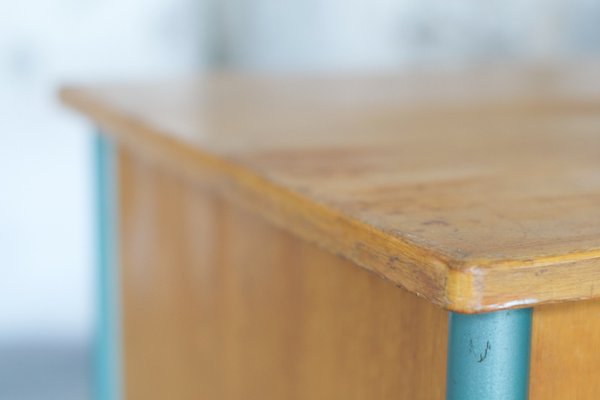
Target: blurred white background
(45,215)
(46,209)
(46,232)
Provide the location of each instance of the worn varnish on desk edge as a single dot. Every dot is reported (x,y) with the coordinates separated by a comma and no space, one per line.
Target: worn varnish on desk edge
(477,204)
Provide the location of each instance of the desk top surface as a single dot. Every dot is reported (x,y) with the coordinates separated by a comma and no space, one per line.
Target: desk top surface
(478,190)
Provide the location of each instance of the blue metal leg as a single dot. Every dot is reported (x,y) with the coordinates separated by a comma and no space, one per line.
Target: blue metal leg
(488,355)
(106,338)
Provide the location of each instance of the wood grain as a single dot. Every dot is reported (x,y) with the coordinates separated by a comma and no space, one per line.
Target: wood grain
(477,191)
(564,356)
(219,304)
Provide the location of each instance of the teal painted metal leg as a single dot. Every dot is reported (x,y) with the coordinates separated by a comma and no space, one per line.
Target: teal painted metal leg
(106,338)
(488,355)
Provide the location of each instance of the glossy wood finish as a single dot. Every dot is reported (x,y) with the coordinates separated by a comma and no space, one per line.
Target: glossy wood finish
(219,304)
(476,191)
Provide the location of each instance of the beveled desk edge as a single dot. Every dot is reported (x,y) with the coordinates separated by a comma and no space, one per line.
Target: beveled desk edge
(465,286)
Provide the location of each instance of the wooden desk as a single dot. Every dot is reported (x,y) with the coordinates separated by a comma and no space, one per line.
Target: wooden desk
(365,237)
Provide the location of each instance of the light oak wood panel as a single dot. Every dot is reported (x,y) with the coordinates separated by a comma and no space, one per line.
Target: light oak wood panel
(565,352)
(219,304)
(477,190)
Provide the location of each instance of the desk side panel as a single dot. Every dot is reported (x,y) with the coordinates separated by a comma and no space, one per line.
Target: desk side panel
(565,351)
(219,304)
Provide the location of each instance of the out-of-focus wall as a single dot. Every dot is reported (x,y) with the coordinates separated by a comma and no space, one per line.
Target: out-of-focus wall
(45,198)
(383,34)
